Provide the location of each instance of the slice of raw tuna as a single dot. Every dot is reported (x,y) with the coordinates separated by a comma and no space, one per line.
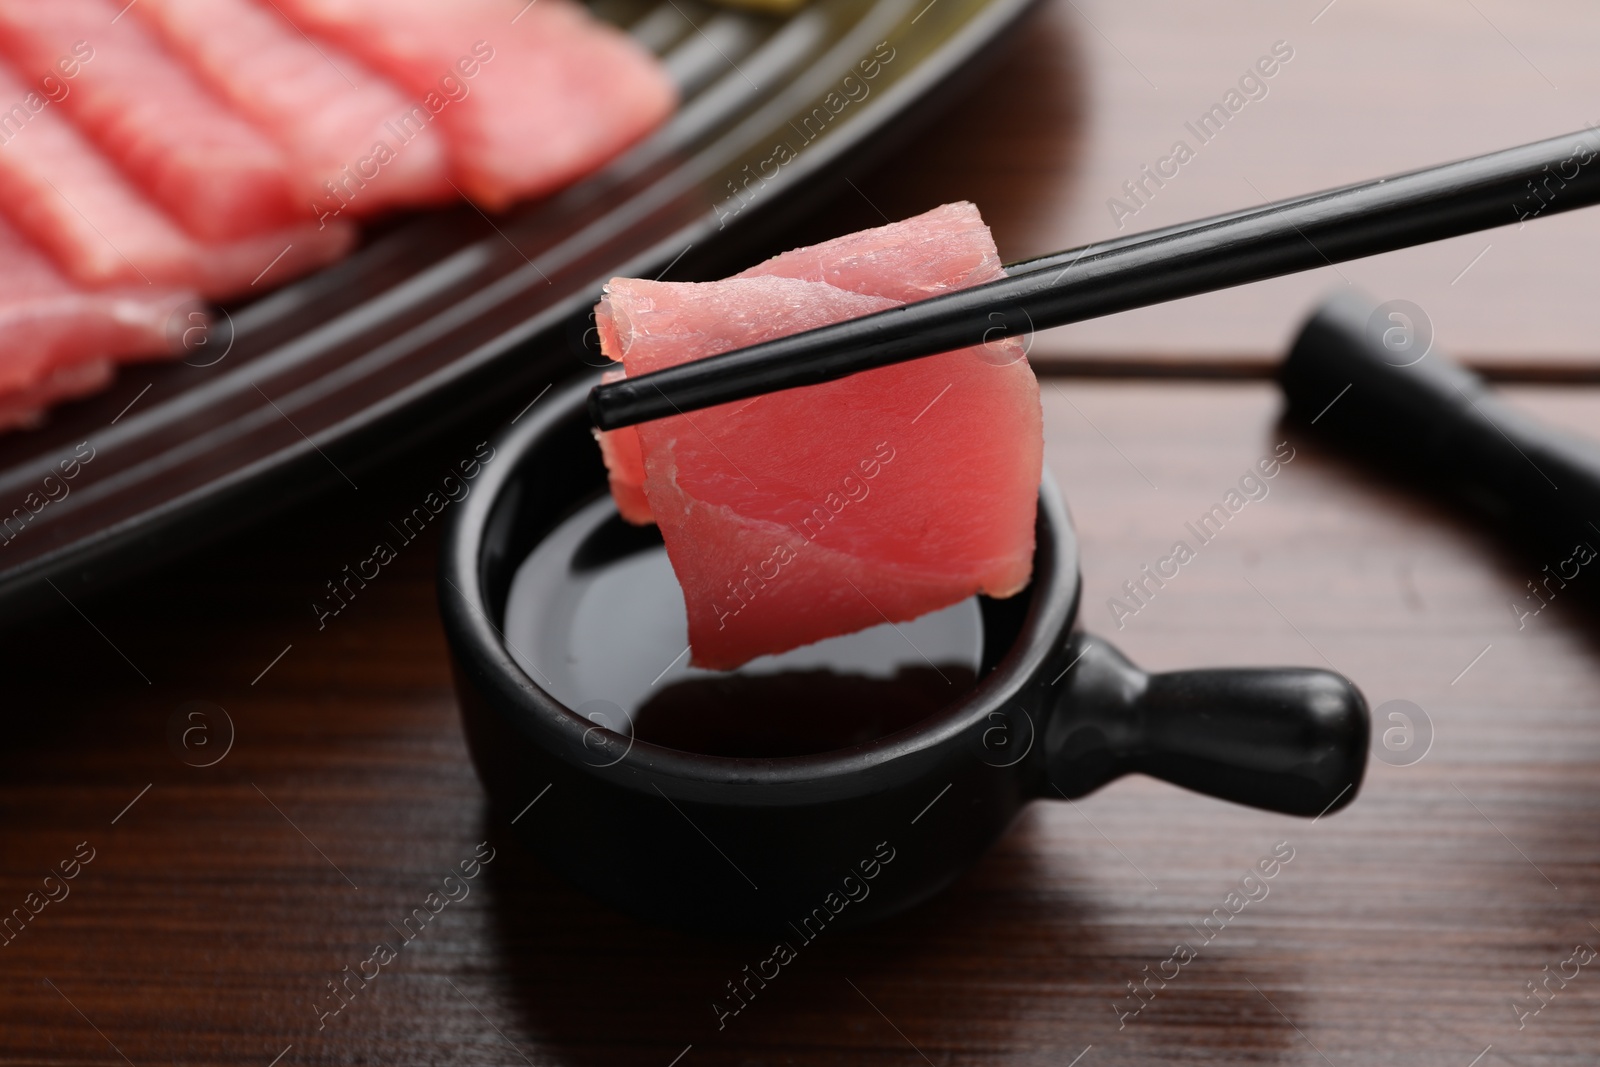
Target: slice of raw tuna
(69,199)
(530,95)
(625,466)
(58,339)
(213,171)
(337,118)
(819,511)
(939,251)
(26,408)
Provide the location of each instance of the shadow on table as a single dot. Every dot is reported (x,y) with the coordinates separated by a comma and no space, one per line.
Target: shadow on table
(1011,958)
(1510,543)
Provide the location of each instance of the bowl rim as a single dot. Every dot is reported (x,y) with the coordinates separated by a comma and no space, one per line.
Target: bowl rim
(484,662)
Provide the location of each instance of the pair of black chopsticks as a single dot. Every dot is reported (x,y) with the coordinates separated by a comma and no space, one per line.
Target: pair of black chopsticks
(1511,186)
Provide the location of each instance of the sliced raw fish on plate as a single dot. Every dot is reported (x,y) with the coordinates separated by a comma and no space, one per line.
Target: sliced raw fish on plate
(70,200)
(213,171)
(530,96)
(27,407)
(946,249)
(58,339)
(343,125)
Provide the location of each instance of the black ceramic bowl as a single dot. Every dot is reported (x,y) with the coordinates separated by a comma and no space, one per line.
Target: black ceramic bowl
(850,835)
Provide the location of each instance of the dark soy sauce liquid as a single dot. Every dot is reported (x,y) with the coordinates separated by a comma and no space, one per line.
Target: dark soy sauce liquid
(595,616)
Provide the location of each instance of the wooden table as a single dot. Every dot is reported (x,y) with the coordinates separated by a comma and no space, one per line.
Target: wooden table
(221,899)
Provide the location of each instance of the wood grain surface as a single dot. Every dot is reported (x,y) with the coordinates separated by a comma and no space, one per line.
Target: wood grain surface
(220,900)
(1101,88)
(219,904)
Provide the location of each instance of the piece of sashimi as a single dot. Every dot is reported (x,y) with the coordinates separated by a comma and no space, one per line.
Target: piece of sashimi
(625,467)
(801,515)
(55,335)
(211,169)
(337,118)
(767,469)
(101,230)
(48,321)
(530,96)
(27,407)
(939,251)
(814,512)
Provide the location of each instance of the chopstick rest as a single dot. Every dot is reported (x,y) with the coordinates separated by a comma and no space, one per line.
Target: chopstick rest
(1432,420)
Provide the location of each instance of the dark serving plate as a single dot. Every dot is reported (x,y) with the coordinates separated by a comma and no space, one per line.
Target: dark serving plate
(449,317)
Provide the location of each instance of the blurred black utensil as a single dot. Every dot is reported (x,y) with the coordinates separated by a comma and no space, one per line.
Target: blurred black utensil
(1416,413)
(1246,246)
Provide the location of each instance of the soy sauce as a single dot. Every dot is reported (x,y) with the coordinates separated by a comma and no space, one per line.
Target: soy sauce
(595,616)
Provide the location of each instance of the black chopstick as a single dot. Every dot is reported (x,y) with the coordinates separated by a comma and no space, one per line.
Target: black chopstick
(1510,186)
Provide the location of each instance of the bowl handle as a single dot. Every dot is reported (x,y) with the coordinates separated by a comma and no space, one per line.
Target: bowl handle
(1288,739)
